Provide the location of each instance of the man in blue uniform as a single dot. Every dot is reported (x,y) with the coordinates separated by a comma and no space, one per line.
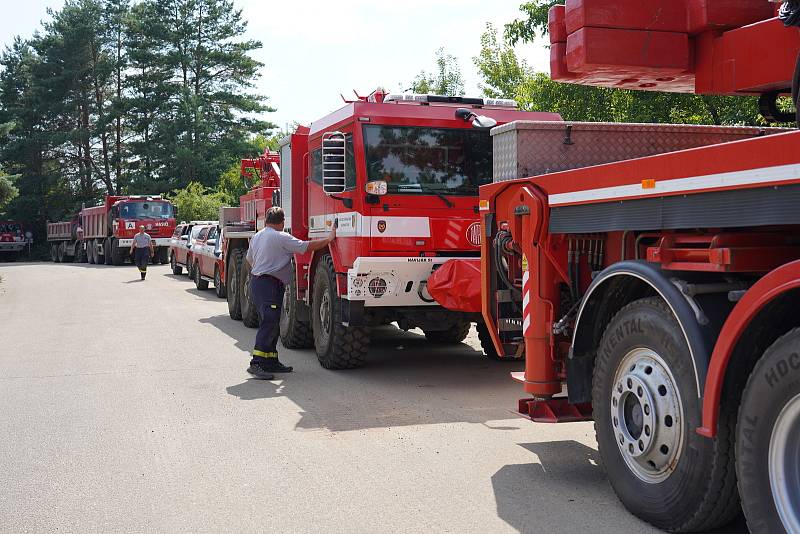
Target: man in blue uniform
(270,261)
(141,250)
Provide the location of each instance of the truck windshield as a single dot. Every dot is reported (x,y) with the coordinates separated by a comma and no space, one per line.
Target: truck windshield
(146,210)
(414,160)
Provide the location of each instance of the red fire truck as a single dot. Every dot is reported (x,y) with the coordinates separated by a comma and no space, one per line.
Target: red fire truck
(104,233)
(399,176)
(13,240)
(659,296)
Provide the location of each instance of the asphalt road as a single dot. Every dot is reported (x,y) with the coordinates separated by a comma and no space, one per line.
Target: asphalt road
(125,406)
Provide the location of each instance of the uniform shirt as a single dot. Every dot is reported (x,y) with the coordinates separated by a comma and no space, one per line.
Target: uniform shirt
(142,240)
(271,252)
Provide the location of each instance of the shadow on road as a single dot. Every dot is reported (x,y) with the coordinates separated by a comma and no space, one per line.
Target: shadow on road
(207,294)
(407,381)
(568,477)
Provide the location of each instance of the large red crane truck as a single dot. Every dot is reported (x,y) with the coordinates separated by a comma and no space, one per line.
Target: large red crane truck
(399,176)
(104,233)
(659,295)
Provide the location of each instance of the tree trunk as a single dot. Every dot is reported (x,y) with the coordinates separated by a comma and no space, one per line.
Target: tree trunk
(118,143)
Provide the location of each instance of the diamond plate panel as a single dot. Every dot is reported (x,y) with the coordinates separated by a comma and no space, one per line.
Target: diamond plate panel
(531,148)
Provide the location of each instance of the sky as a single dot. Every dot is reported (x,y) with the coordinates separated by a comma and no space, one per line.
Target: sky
(315,50)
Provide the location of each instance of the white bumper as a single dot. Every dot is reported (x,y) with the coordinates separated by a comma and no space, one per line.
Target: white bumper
(157,242)
(12,246)
(392,281)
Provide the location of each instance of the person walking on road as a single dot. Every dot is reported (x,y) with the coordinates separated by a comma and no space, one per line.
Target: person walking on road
(269,259)
(142,250)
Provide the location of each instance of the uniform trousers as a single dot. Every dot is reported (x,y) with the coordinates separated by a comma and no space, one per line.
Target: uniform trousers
(267,294)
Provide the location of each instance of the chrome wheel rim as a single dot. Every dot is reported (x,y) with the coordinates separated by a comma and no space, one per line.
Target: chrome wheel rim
(325,313)
(784,465)
(647,415)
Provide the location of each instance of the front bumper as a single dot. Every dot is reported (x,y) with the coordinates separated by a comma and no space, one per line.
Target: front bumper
(12,246)
(392,281)
(157,242)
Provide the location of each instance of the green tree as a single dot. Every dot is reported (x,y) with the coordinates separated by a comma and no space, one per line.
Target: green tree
(195,202)
(447,80)
(206,121)
(7,191)
(121,96)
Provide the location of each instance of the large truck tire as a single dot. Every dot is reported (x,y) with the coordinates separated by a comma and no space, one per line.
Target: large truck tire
(338,346)
(60,253)
(295,334)
(117,252)
(250,316)
(107,253)
(219,287)
(487,345)
(457,334)
(176,269)
(646,409)
(232,283)
(162,253)
(90,252)
(767,438)
(53,253)
(199,283)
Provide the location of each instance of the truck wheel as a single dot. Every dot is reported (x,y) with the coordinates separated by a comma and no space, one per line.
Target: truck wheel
(488,346)
(338,346)
(53,253)
(457,334)
(163,255)
(767,438)
(234,272)
(90,252)
(199,283)
(250,316)
(107,252)
(117,252)
(646,409)
(295,334)
(176,269)
(219,287)
(60,253)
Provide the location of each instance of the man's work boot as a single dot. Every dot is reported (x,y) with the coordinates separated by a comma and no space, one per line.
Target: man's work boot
(258,372)
(143,275)
(273,365)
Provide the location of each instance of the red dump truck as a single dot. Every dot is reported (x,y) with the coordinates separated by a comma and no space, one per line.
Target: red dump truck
(659,295)
(104,233)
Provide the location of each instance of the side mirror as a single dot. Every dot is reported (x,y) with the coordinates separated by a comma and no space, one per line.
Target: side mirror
(481,122)
(333,167)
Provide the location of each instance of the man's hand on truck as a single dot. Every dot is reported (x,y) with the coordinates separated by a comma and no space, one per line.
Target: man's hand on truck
(322,243)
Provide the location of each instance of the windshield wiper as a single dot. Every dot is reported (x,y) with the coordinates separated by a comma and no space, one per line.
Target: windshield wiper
(446,200)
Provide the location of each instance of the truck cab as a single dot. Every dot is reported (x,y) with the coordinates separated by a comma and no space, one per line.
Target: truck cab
(13,239)
(398,175)
(108,229)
